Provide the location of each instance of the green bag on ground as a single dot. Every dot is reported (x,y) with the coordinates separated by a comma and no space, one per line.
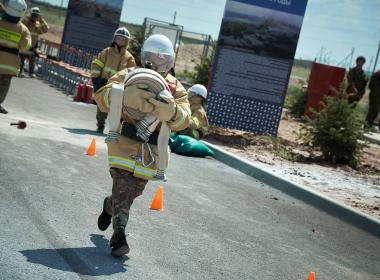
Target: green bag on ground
(186,145)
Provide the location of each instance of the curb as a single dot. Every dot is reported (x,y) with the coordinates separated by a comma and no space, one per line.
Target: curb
(322,202)
(372,139)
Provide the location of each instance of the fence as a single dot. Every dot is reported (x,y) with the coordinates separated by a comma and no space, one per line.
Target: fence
(190,47)
(61,74)
(192,50)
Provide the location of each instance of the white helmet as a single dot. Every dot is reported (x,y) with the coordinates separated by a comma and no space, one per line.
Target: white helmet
(35,11)
(198,89)
(158,51)
(123,32)
(14,8)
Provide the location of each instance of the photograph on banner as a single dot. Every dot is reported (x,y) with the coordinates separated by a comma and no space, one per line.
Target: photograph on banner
(261,30)
(97,9)
(90,24)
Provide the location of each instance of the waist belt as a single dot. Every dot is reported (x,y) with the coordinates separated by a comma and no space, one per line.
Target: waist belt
(9,50)
(130,131)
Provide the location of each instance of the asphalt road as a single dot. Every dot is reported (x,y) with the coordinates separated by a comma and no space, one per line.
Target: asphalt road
(217,224)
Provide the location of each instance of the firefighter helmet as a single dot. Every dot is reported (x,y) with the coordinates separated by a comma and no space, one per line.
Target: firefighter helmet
(123,32)
(35,11)
(158,52)
(198,89)
(14,8)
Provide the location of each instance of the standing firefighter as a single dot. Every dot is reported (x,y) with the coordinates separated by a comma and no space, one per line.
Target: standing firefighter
(37,26)
(198,127)
(14,36)
(133,162)
(374,98)
(357,81)
(110,61)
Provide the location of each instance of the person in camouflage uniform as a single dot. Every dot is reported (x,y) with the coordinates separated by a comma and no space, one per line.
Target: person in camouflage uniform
(127,156)
(374,98)
(357,81)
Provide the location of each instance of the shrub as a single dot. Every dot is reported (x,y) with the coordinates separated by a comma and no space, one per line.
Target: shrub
(295,101)
(136,43)
(202,70)
(337,130)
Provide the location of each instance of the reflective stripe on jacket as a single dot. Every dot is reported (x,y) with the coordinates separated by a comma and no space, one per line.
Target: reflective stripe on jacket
(127,154)
(110,61)
(13,36)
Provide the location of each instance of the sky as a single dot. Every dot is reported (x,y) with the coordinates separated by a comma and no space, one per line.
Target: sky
(330,30)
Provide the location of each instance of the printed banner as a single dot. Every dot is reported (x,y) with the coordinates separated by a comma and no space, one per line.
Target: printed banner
(252,64)
(90,24)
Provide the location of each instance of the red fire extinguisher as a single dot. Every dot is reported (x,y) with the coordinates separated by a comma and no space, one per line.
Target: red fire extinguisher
(81,87)
(89,92)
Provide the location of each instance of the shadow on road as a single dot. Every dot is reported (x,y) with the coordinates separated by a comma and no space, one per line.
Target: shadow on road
(92,261)
(83,131)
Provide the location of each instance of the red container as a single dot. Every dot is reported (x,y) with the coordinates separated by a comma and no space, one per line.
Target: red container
(81,91)
(324,79)
(89,92)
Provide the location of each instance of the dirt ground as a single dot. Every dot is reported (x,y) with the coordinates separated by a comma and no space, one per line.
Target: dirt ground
(285,156)
(54,34)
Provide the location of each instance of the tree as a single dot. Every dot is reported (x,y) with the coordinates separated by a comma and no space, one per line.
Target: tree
(337,130)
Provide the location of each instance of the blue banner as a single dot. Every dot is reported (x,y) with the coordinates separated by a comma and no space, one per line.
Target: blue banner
(90,24)
(297,7)
(253,60)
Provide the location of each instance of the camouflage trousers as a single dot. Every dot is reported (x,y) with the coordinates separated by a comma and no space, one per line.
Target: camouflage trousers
(101,118)
(32,62)
(125,189)
(373,109)
(5,82)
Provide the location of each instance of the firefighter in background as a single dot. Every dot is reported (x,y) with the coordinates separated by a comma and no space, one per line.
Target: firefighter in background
(198,127)
(374,98)
(14,36)
(357,81)
(126,161)
(37,26)
(110,61)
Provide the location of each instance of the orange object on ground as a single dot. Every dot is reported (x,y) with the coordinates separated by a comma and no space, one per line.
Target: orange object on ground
(91,150)
(311,276)
(157,200)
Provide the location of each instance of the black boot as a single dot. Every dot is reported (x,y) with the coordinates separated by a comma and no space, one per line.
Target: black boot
(100,129)
(104,219)
(2,110)
(119,244)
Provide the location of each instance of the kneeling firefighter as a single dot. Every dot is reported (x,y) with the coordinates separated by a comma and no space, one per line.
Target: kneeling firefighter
(150,106)
(198,127)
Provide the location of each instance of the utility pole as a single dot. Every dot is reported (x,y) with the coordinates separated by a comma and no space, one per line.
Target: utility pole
(174,17)
(321,54)
(60,11)
(352,56)
(377,57)
(370,65)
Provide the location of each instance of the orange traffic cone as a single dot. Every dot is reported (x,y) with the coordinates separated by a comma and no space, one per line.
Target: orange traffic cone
(91,150)
(311,276)
(157,200)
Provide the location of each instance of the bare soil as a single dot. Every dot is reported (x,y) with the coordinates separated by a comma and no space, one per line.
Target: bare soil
(288,157)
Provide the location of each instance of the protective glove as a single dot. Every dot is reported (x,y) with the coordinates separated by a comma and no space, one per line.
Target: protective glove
(138,99)
(165,107)
(194,123)
(146,127)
